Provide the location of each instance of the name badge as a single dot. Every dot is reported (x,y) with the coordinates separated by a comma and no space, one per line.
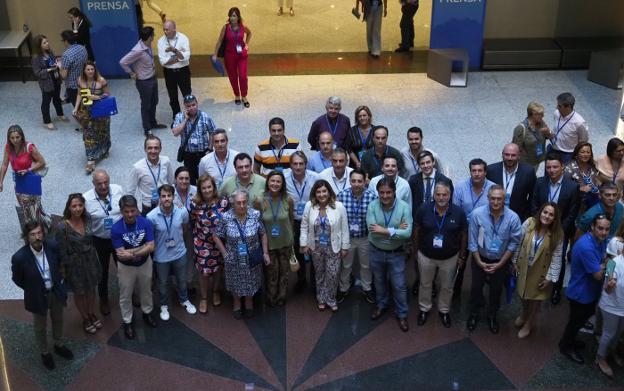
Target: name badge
(219,183)
(279,169)
(155,197)
(507,198)
(242,249)
(193,141)
(275,231)
(48,283)
(170,243)
(355,228)
(108,223)
(438,240)
(539,150)
(323,239)
(300,208)
(360,154)
(495,245)
(239,48)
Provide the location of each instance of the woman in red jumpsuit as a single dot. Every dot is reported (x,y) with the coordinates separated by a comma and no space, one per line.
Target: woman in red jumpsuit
(237,38)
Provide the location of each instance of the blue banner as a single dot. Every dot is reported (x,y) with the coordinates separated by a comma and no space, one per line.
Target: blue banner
(113,34)
(458,24)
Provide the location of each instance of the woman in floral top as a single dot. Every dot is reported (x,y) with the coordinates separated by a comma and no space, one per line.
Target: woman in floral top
(583,170)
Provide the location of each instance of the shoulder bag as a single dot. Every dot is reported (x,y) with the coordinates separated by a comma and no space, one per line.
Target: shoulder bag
(180,157)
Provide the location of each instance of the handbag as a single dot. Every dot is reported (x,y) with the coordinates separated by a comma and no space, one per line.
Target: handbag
(293,261)
(180,157)
(104,107)
(255,257)
(221,51)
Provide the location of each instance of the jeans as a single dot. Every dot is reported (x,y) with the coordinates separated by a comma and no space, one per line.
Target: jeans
(579,314)
(54,97)
(384,263)
(179,271)
(148,93)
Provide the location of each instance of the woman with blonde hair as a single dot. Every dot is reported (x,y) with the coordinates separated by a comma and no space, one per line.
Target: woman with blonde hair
(530,135)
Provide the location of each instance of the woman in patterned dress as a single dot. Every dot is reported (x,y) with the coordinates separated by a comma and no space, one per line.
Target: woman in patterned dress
(95,131)
(583,170)
(206,213)
(239,235)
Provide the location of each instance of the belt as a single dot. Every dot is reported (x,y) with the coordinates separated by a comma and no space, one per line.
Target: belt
(396,250)
(176,69)
(149,78)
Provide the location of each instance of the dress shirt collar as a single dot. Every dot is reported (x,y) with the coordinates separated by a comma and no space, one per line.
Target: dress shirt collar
(550,183)
(432,176)
(37,254)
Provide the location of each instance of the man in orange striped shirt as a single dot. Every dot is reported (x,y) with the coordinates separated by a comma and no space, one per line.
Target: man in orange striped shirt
(274,152)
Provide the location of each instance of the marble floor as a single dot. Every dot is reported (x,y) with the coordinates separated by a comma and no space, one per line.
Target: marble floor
(295,346)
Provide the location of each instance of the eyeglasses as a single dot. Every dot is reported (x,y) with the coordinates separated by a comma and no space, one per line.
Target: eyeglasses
(189,98)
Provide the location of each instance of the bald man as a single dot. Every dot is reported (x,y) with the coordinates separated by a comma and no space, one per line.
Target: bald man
(174,52)
(517,178)
(103,207)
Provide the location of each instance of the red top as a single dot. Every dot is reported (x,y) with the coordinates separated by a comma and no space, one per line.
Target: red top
(23,161)
(232,38)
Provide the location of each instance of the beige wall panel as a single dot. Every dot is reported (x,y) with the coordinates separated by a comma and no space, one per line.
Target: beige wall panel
(590,18)
(521,18)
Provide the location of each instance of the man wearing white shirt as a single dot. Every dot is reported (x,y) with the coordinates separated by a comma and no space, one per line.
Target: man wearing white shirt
(174,52)
(102,204)
(338,174)
(299,182)
(570,128)
(219,164)
(149,173)
(410,153)
(390,169)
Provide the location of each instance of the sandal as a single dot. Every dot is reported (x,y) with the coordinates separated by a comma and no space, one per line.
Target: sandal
(237,101)
(88,327)
(90,167)
(95,321)
(334,308)
(216,298)
(203,306)
(246,103)
(63,118)
(321,307)
(49,126)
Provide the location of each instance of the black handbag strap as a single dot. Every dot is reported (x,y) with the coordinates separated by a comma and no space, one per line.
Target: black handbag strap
(185,142)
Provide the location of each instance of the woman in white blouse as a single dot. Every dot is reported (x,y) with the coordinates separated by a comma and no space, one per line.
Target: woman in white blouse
(325,237)
(537,262)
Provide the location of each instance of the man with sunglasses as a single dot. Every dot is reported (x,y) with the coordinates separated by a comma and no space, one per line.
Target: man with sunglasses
(196,129)
(102,204)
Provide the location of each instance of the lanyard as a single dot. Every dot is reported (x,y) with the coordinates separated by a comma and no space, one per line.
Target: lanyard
(278,156)
(156,179)
(414,164)
(537,242)
(509,178)
(275,212)
(174,42)
(362,137)
(472,197)
(551,195)
(300,194)
(564,124)
(109,203)
(240,229)
(357,204)
(435,216)
(227,157)
(387,218)
(495,228)
(42,266)
(343,185)
(170,223)
(335,127)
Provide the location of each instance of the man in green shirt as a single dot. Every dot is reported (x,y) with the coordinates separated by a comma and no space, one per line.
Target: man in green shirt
(389,223)
(245,178)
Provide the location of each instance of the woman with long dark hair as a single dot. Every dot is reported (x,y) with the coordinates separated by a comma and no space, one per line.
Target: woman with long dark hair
(360,137)
(611,165)
(582,169)
(47,74)
(81,27)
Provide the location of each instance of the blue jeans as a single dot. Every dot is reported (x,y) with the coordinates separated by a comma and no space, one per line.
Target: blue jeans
(179,271)
(383,263)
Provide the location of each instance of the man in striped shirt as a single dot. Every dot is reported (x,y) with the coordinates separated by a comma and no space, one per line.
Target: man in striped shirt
(274,152)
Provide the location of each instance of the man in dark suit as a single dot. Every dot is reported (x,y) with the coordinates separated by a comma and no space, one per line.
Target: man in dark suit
(35,269)
(423,183)
(563,191)
(518,180)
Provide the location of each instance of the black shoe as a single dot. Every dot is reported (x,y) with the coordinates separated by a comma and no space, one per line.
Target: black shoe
(48,361)
(149,320)
(159,126)
(493,325)
(472,322)
(572,354)
(147,133)
(128,330)
(377,313)
(556,296)
(403,325)
(401,49)
(341,296)
(446,320)
(249,313)
(415,288)
(422,318)
(369,296)
(64,352)
(300,286)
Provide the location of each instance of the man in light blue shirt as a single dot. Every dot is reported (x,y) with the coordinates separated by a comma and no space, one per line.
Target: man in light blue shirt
(494,235)
(322,159)
(170,252)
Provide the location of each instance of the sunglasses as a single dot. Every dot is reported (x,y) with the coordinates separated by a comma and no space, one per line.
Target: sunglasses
(189,98)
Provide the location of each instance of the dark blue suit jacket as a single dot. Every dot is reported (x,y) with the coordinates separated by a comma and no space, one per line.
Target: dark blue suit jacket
(522,191)
(568,200)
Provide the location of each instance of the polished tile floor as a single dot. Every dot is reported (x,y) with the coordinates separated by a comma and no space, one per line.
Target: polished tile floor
(296,346)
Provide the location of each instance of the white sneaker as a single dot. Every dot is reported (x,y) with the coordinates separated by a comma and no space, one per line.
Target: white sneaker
(164,312)
(190,308)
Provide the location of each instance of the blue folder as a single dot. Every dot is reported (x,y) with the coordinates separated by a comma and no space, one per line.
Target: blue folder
(216,64)
(29,183)
(104,107)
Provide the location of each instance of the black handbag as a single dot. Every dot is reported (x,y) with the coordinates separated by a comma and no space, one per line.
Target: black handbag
(221,51)
(255,257)
(180,157)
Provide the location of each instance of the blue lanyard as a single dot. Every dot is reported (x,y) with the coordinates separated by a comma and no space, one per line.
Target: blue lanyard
(278,157)
(358,204)
(300,194)
(472,197)
(537,242)
(435,216)
(227,158)
(343,185)
(414,164)
(494,227)
(564,124)
(170,223)
(362,137)
(332,129)
(152,172)
(240,229)
(552,196)
(275,212)
(110,202)
(509,178)
(42,266)
(387,218)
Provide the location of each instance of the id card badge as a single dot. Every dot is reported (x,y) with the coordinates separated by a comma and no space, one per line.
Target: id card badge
(242,249)
(170,243)
(360,154)
(354,228)
(193,141)
(539,150)
(438,241)
(279,169)
(323,239)
(239,48)
(154,196)
(48,283)
(495,245)
(300,208)
(108,223)
(275,231)
(219,183)
(507,198)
